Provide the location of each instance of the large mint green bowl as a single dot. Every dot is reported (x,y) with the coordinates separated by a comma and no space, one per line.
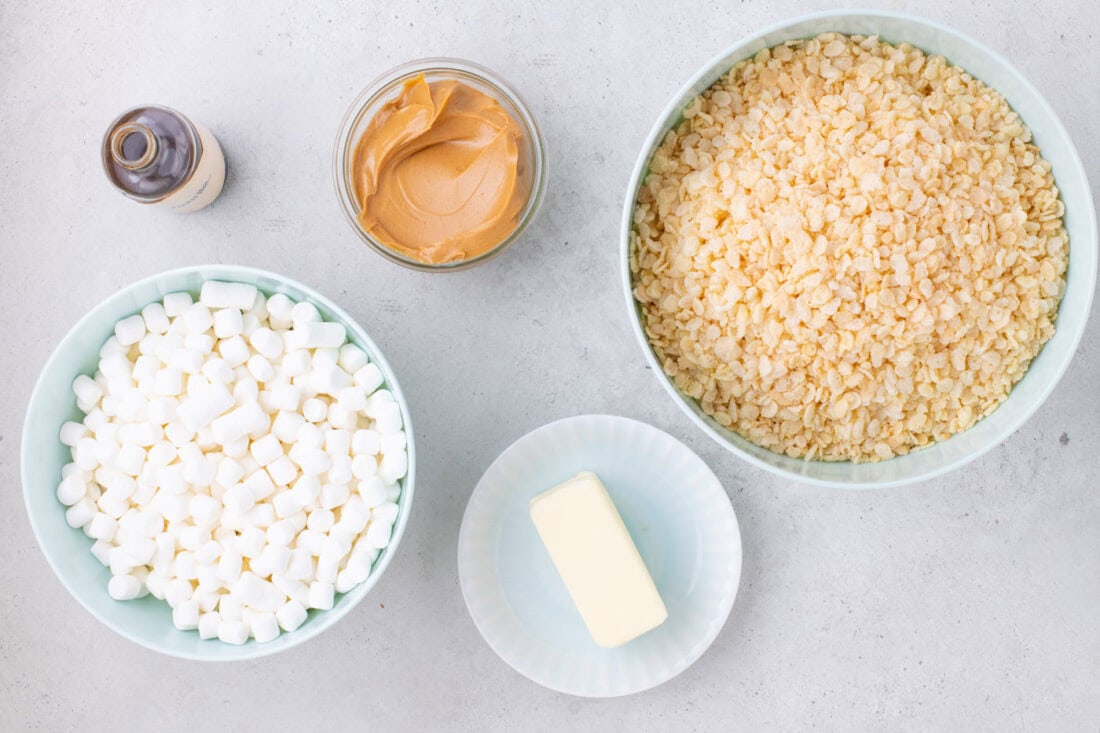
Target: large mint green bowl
(1080,220)
(148,621)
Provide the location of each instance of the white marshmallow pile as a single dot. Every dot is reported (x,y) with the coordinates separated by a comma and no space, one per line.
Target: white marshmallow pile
(238,459)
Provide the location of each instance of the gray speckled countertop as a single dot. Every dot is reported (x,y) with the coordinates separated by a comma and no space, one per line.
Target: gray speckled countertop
(972,601)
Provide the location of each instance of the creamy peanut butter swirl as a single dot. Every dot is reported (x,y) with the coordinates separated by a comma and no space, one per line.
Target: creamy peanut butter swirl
(439,172)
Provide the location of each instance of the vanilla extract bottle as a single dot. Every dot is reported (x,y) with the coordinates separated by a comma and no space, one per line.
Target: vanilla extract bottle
(159,157)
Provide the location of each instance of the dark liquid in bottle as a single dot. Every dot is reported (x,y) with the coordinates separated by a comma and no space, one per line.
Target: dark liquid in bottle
(149,152)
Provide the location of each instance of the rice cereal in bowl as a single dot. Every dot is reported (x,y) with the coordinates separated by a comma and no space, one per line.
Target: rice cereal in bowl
(847,249)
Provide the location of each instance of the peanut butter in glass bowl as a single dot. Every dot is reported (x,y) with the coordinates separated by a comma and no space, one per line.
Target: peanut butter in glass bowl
(438,165)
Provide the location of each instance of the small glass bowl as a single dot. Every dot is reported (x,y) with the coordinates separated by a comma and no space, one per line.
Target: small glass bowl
(380,91)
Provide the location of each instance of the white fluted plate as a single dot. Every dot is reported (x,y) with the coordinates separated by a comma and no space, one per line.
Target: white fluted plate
(680,519)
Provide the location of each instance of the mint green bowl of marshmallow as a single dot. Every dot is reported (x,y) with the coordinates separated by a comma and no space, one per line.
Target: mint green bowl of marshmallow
(150,621)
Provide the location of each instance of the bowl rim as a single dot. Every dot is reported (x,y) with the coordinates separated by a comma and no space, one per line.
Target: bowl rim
(381,85)
(659,129)
(251,649)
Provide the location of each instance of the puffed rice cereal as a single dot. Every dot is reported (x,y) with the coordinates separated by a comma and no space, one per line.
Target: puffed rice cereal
(848,249)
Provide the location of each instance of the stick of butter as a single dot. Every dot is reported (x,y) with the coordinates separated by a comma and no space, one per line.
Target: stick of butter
(595,556)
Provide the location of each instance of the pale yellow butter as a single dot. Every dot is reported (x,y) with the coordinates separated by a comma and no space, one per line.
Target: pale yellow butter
(595,556)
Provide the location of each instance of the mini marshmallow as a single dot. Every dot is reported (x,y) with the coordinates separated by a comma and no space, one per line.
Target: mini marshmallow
(392,442)
(209,623)
(286,503)
(267,342)
(300,565)
(232,632)
(227,323)
(291,615)
(334,495)
(101,550)
(321,595)
(144,434)
(285,397)
(197,319)
(234,351)
(113,504)
(312,461)
(217,371)
(230,607)
(366,442)
(207,600)
(364,466)
(155,318)
(192,537)
(87,390)
(204,510)
(177,591)
(281,533)
(252,541)
(310,436)
(352,358)
(238,499)
(286,426)
(372,491)
(387,417)
(344,582)
(204,404)
(377,535)
(352,398)
(186,615)
(274,559)
(304,312)
(310,541)
(249,325)
(307,490)
(261,516)
(385,513)
(246,389)
(176,303)
(209,553)
(326,379)
(340,470)
(130,459)
(229,473)
(282,471)
(130,330)
(296,363)
(260,484)
(342,417)
(312,335)
(279,310)
(314,410)
(290,588)
(101,527)
(266,450)
(124,587)
(237,448)
(178,433)
(229,566)
(261,368)
(186,566)
(114,365)
(393,466)
(72,489)
(217,294)
(368,378)
(259,306)
(264,627)
(327,569)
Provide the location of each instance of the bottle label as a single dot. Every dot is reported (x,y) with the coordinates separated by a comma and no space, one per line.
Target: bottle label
(205,183)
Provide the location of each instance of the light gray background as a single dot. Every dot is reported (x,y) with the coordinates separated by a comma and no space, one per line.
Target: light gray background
(970,601)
